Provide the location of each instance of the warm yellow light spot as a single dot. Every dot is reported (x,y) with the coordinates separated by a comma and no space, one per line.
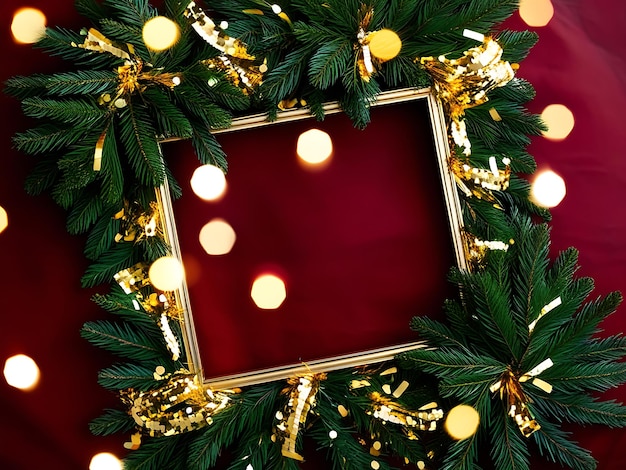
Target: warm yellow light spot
(105,461)
(536,13)
(21,371)
(384,44)
(28,25)
(166,273)
(4,219)
(217,237)
(208,182)
(560,121)
(314,147)
(548,189)
(160,33)
(462,422)
(268,291)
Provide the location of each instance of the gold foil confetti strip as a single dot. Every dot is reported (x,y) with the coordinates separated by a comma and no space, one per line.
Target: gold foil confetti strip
(510,386)
(181,405)
(301,392)
(171,341)
(387,410)
(95,41)
(555,303)
(359,383)
(391,370)
(480,182)
(132,279)
(401,389)
(241,68)
(387,389)
(342,411)
(97,155)
(493,112)
(464,82)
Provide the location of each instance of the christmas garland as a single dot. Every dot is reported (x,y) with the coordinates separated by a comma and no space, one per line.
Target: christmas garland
(518,345)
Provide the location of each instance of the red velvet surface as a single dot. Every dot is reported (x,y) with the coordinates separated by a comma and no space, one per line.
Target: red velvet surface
(578,62)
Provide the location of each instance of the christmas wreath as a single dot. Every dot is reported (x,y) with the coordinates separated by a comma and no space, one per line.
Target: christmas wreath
(519,344)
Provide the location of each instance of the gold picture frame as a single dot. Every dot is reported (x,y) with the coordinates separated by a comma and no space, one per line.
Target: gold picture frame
(371,356)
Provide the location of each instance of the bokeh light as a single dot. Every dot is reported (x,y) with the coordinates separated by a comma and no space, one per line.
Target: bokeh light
(160,33)
(217,237)
(536,13)
(21,371)
(208,182)
(548,189)
(4,219)
(384,44)
(166,273)
(268,291)
(462,422)
(314,147)
(105,461)
(28,25)
(560,121)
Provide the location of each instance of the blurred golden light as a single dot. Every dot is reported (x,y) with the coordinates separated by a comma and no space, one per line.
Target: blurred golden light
(314,147)
(166,273)
(4,219)
(548,189)
(560,121)
(462,422)
(105,461)
(28,25)
(268,291)
(536,13)
(217,237)
(208,182)
(384,44)
(160,33)
(21,371)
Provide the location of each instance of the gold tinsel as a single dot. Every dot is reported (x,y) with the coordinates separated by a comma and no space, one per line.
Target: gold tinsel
(181,405)
(301,391)
(510,389)
(241,68)
(464,82)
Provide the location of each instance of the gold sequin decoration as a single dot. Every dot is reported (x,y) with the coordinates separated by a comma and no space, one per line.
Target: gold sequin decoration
(134,278)
(481,182)
(464,82)
(476,249)
(181,405)
(301,392)
(138,223)
(510,389)
(241,68)
(387,410)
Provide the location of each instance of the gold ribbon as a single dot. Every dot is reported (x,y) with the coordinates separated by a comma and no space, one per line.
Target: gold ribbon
(510,385)
(464,82)
(546,308)
(241,68)
(301,391)
(181,405)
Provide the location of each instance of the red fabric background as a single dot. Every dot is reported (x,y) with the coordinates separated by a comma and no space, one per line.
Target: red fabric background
(578,62)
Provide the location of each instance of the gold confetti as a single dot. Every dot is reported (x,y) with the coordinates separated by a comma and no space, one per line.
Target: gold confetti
(493,112)
(342,411)
(555,303)
(401,389)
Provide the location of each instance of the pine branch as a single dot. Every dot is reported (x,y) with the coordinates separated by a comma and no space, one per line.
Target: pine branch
(69,111)
(125,376)
(111,422)
(113,261)
(554,444)
(123,340)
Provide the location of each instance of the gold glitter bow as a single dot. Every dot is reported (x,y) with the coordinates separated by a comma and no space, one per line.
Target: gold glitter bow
(464,82)
(301,391)
(181,405)
(241,68)
(510,385)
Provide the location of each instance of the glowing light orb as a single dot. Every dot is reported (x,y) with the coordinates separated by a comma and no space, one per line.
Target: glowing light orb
(314,147)
(105,461)
(560,121)
(21,371)
(548,189)
(4,219)
(28,25)
(160,33)
(384,44)
(166,273)
(268,292)
(462,422)
(217,237)
(536,13)
(208,182)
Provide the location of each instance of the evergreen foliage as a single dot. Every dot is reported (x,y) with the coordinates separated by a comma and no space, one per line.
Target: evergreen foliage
(312,52)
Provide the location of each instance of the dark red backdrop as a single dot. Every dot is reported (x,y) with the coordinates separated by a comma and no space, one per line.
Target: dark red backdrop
(578,62)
